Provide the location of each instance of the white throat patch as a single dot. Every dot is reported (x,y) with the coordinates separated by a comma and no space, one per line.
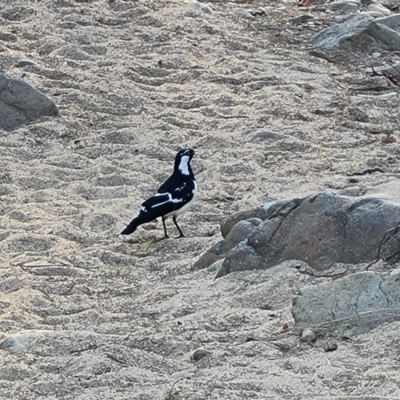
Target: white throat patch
(183,166)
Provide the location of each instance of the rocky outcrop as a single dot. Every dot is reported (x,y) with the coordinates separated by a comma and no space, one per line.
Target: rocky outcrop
(359,31)
(21,103)
(352,226)
(351,305)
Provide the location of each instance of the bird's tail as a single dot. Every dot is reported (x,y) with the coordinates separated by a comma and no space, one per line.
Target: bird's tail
(131,227)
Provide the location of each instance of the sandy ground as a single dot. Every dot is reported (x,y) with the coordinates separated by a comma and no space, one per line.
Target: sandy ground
(135,81)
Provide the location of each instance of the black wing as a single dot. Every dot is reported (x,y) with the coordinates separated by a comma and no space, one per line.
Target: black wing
(160,204)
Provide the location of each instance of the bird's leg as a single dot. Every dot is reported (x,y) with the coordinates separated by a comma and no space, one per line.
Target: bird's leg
(181,235)
(165,230)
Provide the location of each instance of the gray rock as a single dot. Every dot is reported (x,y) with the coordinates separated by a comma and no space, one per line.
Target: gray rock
(29,243)
(330,346)
(344,5)
(226,226)
(21,103)
(199,354)
(321,230)
(202,7)
(263,134)
(358,31)
(379,8)
(387,70)
(215,267)
(351,305)
(242,13)
(212,255)
(239,232)
(16,341)
(24,63)
(241,258)
(308,336)
(392,21)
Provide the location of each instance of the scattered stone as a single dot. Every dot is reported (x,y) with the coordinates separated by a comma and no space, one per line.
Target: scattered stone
(29,243)
(351,305)
(16,341)
(300,19)
(330,346)
(393,70)
(242,13)
(358,31)
(24,63)
(308,336)
(344,5)
(199,354)
(379,8)
(202,6)
(11,285)
(21,103)
(8,37)
(263,134)
(383,97)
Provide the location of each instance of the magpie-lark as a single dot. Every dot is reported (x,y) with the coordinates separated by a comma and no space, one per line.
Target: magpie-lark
(173,197)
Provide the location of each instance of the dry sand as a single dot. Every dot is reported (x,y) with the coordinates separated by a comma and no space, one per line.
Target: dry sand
(135,81)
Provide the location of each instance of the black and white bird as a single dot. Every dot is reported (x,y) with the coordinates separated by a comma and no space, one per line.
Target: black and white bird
(175,196)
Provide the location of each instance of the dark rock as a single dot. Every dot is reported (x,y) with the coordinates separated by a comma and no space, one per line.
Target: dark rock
(351,305)
(21,103)
(358,31)
(199,354)
(330,346)
(24,63)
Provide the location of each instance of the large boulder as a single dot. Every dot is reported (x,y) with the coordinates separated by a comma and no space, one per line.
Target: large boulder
(351,305)
(21,103)
(359,31)
(320,229)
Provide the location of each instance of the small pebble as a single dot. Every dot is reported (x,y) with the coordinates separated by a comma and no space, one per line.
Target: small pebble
(24,63)
(199,354)
(308,336)
(242,13)
(330,346)
(202,7)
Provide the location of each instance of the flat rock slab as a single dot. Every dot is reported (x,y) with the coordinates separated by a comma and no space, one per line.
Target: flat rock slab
(21,103)
(360,31)
(351,305)
(320,229)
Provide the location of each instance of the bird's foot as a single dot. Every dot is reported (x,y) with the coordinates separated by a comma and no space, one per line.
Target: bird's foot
(180,236)
(124,238)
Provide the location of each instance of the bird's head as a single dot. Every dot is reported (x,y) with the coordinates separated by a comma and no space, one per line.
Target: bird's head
(185,152)
(182,160)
